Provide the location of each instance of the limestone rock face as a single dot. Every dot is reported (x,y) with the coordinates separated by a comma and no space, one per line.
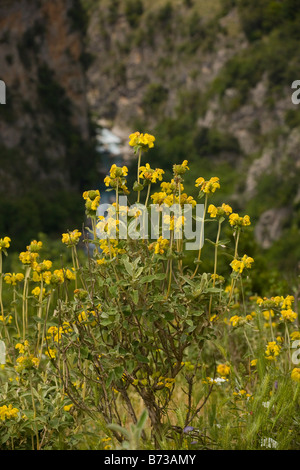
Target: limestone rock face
(269,226)
(40,57)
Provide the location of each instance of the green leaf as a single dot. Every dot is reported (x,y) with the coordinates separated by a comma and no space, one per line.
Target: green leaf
(169,316)
(106,322)
(135,296)
(142,359)
(128,266)
(142,420)
(153,277)
(117,428)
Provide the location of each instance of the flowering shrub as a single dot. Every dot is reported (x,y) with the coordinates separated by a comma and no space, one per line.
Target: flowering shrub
(92,345)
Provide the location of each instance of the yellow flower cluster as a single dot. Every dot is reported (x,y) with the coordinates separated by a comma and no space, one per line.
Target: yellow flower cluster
(141,141)
(22,347)
(37,291)
(239,265)
(28,257)
(288,315)
(4,243)
(8,412)
(208,187)
(242,394)
(86,316)
(169,199)
(92,201)
(150,175)
(171,187)
(272,350)
(13,278)
(55,333)
(295,374)
(237,221)
(26,362)
(223,369)
(117,178)
(236,320)
(277,301)
(295,335)
(60,275)
(46,265)
(214,211)
(179,170)
(284,303)
(35,246)
(159,246)
(51,353)
(71,238)
(110,247)
(167,382)
(6,319)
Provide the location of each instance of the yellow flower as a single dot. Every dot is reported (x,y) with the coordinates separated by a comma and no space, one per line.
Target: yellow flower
(22,347)
(180,169)
(295,374)
(235,320)
(171,187)
(51,353)
(295,335)
(253,362)
(68,407)
(237,221)
(8,412)
(272,350)
(159,246)
(26,362)
(158,198)
(5,319)
(28,257)
(287,302)
(72,238)
(239,265)
(268,314)
(209,186)
(288,315)
(223,369)
(40,267)
(37,290)
(110,247)
(13,278)
(150,175)
(242,394)
(141,141)
(214,211)
(4,243)
(92,201)
(116,178)
(34,246)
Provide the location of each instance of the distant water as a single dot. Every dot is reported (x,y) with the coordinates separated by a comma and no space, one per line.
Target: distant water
(109,147)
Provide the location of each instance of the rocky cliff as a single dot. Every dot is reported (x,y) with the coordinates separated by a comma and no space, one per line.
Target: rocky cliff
(44,125)
(219,74)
